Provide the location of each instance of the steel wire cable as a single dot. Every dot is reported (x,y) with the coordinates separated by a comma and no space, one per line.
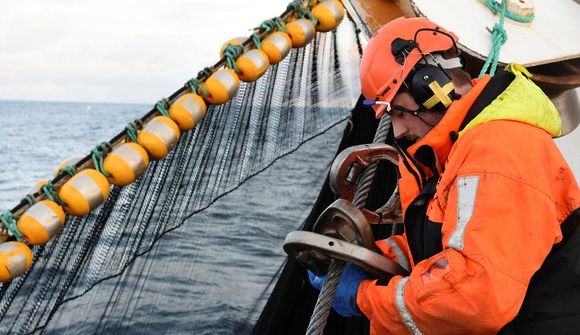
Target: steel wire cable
(328,290)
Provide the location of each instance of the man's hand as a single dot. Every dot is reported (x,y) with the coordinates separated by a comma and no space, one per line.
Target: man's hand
(345,299)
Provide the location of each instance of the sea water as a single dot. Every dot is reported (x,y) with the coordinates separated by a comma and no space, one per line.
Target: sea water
(211,275)
(35,137)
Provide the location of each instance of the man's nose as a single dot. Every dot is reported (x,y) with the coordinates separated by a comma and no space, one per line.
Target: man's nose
(399,130)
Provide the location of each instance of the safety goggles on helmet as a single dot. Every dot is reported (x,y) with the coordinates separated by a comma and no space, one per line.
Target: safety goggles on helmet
(407,110)
(390,108)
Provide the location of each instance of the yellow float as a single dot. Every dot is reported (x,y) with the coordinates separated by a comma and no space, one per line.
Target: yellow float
(159,136)
(15,260)
(329,14)
(126,163)
(221,86)
(277,46)
(84,192)
(188,111)
(41,222)
(252,64)
(301,32)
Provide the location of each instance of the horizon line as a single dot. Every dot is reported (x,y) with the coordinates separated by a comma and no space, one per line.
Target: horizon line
(77,102)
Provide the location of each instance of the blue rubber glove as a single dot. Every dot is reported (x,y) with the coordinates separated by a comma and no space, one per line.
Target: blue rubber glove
(345,299)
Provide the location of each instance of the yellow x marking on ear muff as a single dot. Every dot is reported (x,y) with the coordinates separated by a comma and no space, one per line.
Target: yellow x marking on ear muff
(440,94)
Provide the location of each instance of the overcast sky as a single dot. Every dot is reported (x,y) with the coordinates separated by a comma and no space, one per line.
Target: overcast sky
(115,51)
(124,50)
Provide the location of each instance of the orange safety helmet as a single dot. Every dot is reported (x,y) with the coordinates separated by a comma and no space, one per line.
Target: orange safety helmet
(393,52)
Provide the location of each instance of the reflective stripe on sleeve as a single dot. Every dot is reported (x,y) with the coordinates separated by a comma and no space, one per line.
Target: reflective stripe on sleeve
(405,315)
(466,191)
(401,257)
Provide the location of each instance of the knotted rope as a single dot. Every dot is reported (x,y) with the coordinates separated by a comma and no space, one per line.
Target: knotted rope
(196,87)
(271,24)
(231,54)
(499,34)
(256,40)
(162,107)
(302,11)
(98,155)
(50,192)
(132,129)
(69,169)
(9,223)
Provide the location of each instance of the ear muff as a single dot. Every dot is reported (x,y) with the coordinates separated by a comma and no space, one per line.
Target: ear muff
(431,87)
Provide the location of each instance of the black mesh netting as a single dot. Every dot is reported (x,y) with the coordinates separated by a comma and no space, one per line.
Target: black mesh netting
(194,245)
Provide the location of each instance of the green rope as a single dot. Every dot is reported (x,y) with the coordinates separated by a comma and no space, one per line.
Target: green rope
(298,7)
(196,87)
(131,132)
(499,34)
(9,223)
(271,24)
(268,25)
(29,198)
(256,40)
(69,169)
(498,38)
(50,192)
(231,54)
(162,106)
(278,22)
(498,8)
(98,154)
(132,129)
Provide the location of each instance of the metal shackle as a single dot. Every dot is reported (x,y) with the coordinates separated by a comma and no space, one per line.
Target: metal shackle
(351,162)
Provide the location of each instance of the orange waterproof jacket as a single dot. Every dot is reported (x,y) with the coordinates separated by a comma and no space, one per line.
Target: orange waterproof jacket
(486,196)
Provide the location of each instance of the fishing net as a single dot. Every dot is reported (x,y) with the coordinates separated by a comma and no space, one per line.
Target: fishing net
(194,245)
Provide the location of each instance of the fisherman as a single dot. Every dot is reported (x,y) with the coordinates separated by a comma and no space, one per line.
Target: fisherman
(490,207)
